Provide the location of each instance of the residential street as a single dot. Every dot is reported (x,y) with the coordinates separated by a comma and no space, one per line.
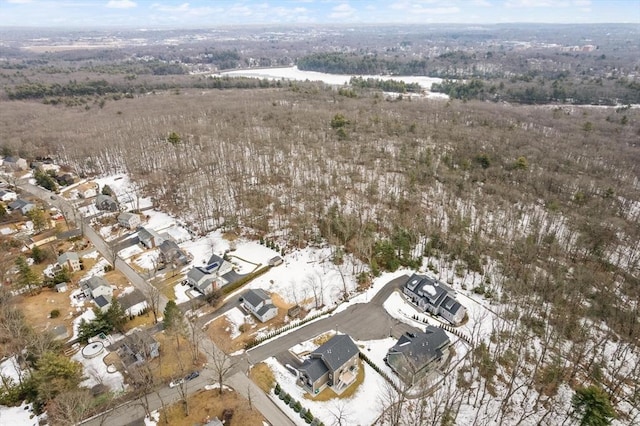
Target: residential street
(365,321)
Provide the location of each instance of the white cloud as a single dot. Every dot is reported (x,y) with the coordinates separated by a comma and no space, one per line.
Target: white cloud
(482,3)
(536,3)
(121,4)
(342,11)
(19,1)
(583,3)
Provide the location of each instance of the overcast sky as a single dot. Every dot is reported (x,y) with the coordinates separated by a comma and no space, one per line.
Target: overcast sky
(211,13)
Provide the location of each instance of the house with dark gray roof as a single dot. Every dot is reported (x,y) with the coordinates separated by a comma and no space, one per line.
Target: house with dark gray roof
(435,297)
(416,354)
(205,279)
(333,364)
(103,302)
(137,348)
(172,254)
(106,202)
(259,303)
(150,238)
(23,206)
(15,163)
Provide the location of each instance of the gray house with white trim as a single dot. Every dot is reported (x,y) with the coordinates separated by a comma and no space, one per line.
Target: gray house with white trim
(259,303)
(416,354)
(333,364)
(435,297)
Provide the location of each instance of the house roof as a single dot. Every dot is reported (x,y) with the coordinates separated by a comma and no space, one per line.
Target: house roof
(255,296)
(266,308)
(3,192)
(131,299)
(451,305)
(18,204)
(314,368)
(102,301)
(168,246)
(105,199)
(423,348)
(96,281)
(60,285)
(201,277)
(215,259)
(147,233)
(336,351)
(126,216)
(70,255)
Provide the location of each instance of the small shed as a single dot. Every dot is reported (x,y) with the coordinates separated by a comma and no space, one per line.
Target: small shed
(294,311)
(61,287)
(275,261)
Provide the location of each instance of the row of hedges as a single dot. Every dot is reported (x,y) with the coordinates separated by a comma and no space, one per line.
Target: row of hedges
(297,406)
(281,330)
(242,281)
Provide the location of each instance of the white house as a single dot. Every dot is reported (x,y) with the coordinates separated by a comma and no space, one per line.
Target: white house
(97,286)
(435,297)
(128,220)
(150,238)
(208,278)
(259,303)
(7,196)
(87,190)
(15,163)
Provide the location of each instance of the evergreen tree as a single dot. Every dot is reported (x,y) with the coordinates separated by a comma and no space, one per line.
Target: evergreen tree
(592,406)
(38,218)
(27,279)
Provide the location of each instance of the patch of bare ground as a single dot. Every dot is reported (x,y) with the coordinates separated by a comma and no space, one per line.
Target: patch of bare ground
(219,330)
(205,405)
(175,358)
(262,375)
(37,309)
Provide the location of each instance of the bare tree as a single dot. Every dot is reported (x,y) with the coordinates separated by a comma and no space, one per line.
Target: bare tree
(222,365)
(152,294)
(340,412)
(69,407)
(315,283)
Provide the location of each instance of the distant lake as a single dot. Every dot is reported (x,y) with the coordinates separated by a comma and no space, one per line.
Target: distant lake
(293,73)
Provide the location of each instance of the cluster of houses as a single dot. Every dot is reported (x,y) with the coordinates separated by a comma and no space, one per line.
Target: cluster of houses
(434,297)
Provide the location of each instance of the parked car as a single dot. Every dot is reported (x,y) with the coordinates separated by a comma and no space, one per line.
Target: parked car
(175,383)
(192,376)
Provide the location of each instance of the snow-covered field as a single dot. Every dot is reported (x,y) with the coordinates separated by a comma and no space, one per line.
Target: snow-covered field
(95,373)
(293,73)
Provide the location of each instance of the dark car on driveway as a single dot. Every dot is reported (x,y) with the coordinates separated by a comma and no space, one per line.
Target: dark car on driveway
(192,376)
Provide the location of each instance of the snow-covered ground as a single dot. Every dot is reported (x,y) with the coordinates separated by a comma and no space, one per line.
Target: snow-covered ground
(95,373)
(293,73)
(18,416)
(10,370)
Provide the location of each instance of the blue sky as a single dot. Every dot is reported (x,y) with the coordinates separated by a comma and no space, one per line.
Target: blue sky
(212,13)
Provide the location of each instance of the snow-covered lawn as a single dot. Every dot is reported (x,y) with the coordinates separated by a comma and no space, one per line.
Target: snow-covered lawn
(148,260)
(87,315)
(235,318)
(125,191)
(10,369)
(18,416)
(95,372)
(181,293)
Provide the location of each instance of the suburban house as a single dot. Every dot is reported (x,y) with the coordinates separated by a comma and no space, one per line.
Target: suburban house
(259,303)
(172,254)
(138,348)
(97,286)
(416,354)
(7,196)
(150,238)
(61,287)
(23,206)
(128,220)
(15,163)
(87,190)
(434,297)
(133,303)
(107,203)
(69,259)
(205,279)
(333,364)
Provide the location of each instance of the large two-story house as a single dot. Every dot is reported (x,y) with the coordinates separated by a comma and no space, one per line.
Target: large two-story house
(205,279)
(333,364)
(434,297)
(259,303)
(416,354)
